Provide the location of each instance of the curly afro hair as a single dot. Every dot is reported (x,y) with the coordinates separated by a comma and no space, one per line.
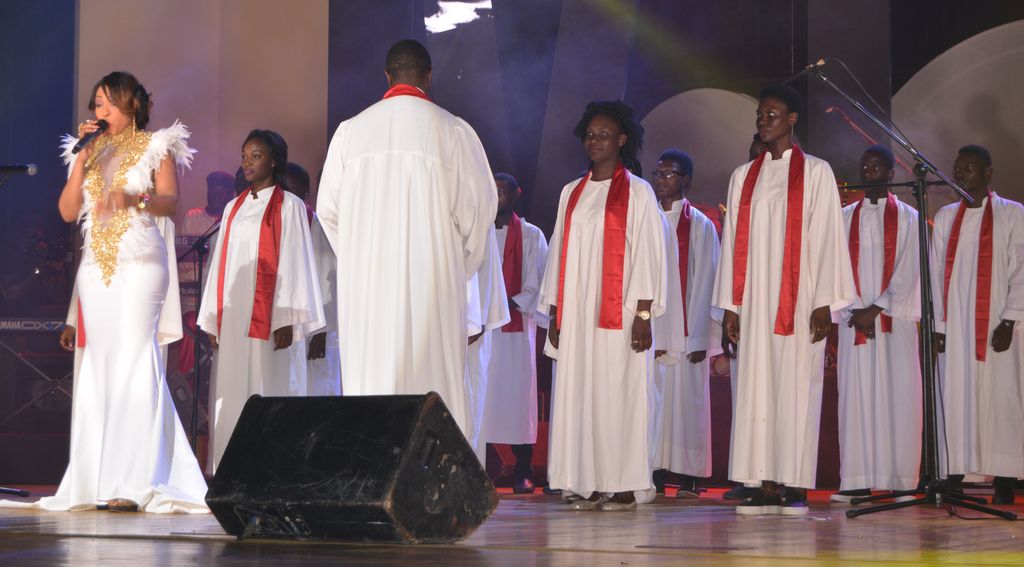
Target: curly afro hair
(621,113)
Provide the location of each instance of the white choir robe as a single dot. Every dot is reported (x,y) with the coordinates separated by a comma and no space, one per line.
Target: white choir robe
(406,198)
(247,366)
(599,437)
(779,384)
(880,404)
(324,374)
(682,440)
(488,310)
(983,402)
(510,411)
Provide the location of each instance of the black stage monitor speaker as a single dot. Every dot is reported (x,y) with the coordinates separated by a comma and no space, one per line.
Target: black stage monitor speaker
(362,468)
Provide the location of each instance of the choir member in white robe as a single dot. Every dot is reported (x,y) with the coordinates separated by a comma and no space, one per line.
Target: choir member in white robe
(486,290)
(776,306)
(981,351)
(322,359)
(407,199)
(262,298)
(879,373)
(682,443)
(604,281)
(510,411)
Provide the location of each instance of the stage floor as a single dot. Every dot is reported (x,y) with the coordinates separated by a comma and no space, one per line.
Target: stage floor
(539,530)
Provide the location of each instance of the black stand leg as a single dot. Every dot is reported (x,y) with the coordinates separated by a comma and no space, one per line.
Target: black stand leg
(14,491)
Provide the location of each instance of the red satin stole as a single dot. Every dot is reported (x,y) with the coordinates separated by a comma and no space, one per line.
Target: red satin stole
(794,234)
(616,211)
(405,90)
(890,230)
(80,331)
(267,261)
(512,270)
(683,235)
(984,286)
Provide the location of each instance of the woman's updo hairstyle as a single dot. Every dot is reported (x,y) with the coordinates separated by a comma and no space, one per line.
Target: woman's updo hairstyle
(127,94)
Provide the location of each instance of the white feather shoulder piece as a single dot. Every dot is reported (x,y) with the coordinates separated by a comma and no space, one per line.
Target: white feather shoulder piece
(172,140)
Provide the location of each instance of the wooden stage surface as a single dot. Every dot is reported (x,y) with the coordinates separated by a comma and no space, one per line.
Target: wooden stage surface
(538,530)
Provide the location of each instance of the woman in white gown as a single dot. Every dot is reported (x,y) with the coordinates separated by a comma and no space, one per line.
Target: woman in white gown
(128,448)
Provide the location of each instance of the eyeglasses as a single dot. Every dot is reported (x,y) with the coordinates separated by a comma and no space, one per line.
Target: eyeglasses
(666,175)
(603,135)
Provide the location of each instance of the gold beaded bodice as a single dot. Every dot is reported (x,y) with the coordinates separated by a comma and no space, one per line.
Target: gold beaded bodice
(105,171)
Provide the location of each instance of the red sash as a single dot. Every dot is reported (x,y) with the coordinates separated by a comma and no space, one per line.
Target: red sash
(266,264)
(81,326)
(791,254)
(890,230)
(615,215)
(683,235)
(406,90)
(984,286)
(512,270)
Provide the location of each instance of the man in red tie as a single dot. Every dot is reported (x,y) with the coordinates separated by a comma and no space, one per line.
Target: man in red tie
(785,266)
(879,372)
(406,200)
(978,296)
(510,410)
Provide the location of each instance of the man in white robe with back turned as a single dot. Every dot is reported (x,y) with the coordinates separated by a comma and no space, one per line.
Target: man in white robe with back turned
(978,259)
(879,371)
(406,199)
(785,265)
(683,336)
(510,408)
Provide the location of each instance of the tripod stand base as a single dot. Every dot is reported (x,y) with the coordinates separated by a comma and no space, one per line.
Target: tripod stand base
(14,492)
(935,494)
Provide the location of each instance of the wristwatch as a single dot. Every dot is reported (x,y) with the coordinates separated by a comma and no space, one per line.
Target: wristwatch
(644,315)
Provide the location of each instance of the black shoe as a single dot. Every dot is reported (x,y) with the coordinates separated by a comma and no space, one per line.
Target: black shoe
(740,492)
(762,502)
(794,501)
(552,491)
(688,488)
(844,496)
(1003,490)
(523,486)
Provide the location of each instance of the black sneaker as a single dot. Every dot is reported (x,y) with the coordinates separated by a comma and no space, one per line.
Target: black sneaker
(688,489)
(761,503)
(794,501)
(844,496)
(1003,490)
(740,492)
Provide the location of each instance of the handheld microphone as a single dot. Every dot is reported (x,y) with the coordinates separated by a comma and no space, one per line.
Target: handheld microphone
(101,128)
(806,71)
(28,169)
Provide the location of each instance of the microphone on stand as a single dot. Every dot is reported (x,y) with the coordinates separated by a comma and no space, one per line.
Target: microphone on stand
(101,127)
(806,71)
(28,169)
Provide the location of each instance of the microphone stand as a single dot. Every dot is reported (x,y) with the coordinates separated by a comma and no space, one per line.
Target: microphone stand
(200,248)
(3,490)
(11,491)
(933,489)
